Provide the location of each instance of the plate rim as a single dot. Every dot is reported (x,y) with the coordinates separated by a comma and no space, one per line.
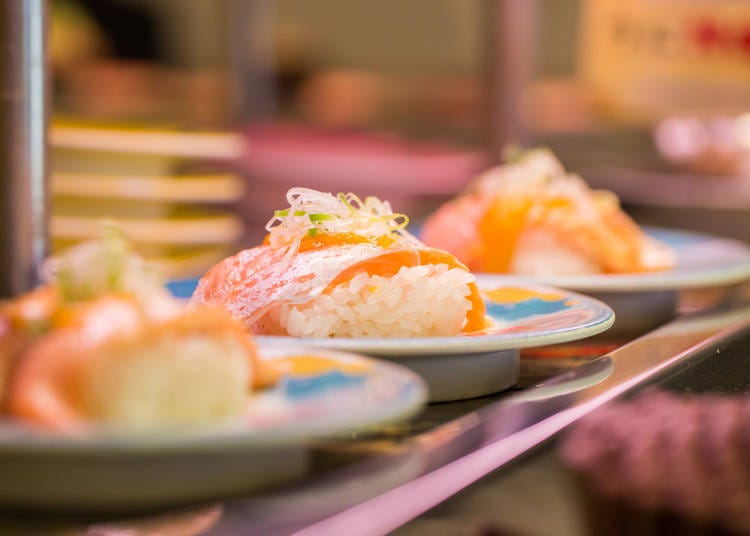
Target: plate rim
(653,281)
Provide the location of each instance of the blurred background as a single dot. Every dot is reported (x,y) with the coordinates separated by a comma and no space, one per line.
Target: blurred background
(187,120)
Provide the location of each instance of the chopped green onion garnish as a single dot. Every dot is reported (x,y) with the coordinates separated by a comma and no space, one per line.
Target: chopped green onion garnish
(401,220)
(345,200)
(321,217)
(369,218)
(285,212)
(512,154)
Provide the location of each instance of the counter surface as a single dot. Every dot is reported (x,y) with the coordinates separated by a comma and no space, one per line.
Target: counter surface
(465,467)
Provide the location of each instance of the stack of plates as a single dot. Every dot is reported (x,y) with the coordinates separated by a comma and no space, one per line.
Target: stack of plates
(161,187)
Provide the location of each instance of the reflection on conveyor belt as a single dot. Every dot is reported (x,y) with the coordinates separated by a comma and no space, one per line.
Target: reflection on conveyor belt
(387,483)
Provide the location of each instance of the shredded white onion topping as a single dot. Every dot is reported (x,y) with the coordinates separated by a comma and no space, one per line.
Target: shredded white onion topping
(538,173)
(108,265)
(311,212)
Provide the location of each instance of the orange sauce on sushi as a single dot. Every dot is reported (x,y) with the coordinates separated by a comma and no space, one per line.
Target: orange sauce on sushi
(499,231)
(324,240)
(389,264)
(501,226)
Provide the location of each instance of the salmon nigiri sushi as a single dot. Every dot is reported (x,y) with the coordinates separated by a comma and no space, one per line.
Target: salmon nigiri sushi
(530,217)
(103,345)
(337,266)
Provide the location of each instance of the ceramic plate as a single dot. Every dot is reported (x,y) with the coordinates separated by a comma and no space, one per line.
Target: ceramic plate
(147,140)
(216,188)
(702,261)
(477,364)
(203,229)
(646,300)
(322,393)
(487,362)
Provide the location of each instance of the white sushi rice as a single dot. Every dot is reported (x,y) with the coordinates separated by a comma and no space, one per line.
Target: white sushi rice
(539,253)
(166,383)
(420,301)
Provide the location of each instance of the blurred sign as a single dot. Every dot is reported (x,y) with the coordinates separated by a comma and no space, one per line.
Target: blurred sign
(647,59)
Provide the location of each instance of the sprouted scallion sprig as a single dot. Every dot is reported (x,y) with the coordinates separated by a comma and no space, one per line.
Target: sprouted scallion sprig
(525,171)
(537,174)
(104,266)
(93,268)
(311,212)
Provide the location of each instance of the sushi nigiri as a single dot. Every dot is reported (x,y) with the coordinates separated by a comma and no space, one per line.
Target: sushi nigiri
(530,217)
(337,266)
(102,344)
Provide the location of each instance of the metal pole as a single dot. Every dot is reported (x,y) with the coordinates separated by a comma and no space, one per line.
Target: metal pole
(23,148)
(250,36)
(509,52)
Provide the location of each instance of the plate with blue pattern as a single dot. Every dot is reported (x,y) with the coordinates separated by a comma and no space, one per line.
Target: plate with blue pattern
(643,301)
(320,393)
(701,260)
(520,315)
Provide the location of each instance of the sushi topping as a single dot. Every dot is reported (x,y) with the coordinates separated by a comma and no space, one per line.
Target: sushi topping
(531,217)
(318,217)
(538,174)
(104,267)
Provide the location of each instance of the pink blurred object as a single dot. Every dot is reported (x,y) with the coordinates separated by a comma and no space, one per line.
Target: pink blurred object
(367,164)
